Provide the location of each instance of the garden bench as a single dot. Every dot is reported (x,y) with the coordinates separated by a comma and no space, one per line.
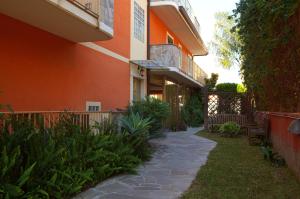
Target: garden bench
(220,119)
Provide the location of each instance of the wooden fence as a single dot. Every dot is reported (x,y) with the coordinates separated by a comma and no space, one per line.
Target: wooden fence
(222,107)
(49,119)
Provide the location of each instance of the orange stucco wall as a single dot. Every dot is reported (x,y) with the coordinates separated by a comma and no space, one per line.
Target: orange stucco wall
(158,35)
(42,72)
(121,40)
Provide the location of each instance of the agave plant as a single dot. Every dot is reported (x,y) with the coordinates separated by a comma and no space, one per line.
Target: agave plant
(134,124)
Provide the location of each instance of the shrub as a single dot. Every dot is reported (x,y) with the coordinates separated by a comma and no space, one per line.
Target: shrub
(106,127)
(192,112)
(227,87)
(229,129)
(136,130)
(271,156)
(231,87)
(59,162)
(155,109)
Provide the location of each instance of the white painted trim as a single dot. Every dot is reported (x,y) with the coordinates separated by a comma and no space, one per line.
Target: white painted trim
(89,103)
(165,3)
(105,51)
(106,28)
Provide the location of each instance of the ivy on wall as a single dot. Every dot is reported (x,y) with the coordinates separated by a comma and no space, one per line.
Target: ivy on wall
(270,36)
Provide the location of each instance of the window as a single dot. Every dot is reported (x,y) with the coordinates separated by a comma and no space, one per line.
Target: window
(170,39)
(93,106)
(136,89)
(139,22)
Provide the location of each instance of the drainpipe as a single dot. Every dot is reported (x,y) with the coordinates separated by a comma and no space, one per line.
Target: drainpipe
(148,45)
(148,29)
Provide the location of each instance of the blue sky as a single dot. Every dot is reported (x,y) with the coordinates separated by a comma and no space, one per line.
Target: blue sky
(205,11)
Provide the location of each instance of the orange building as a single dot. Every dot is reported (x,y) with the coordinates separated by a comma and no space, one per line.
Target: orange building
(92,55)
(71,54)
(174,37)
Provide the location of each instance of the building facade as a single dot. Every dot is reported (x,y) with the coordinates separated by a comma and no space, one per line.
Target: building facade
(95,55)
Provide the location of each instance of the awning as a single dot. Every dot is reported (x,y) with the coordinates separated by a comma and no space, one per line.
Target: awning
(149,64)
(172,72)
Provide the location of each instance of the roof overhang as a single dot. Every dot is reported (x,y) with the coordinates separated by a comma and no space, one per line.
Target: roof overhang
(61,18)
(175,18)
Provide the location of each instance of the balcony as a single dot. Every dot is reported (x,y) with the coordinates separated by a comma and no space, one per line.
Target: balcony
(179,17)
(74,20)
(170,61)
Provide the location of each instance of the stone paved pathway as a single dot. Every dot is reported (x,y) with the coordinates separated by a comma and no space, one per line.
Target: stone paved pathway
(169,173)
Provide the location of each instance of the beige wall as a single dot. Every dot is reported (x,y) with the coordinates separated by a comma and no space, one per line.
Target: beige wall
(138,49)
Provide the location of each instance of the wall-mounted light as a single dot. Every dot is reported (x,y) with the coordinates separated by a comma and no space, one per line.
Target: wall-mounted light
(141,71)
(294,127)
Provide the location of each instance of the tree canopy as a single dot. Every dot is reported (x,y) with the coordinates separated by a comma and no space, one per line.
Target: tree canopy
(226,43)
(270,47)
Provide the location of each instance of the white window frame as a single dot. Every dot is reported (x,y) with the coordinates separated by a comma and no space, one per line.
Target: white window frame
(139,22)
(96,106)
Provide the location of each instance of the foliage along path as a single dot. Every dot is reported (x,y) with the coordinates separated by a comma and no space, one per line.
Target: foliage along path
(170,172)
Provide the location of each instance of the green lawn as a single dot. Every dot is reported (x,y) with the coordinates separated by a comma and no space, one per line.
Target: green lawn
(236,170)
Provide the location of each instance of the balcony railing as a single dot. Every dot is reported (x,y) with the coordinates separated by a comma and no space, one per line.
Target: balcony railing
(90,6)
(188,8)
(167,55)
(102,9)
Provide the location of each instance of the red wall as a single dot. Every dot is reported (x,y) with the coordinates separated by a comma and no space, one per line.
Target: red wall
(43,72)
(287,144)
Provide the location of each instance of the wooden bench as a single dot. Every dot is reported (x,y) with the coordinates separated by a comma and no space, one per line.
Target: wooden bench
(223,118)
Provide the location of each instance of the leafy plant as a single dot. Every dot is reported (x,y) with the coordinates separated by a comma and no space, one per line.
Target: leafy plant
(227,87)
(229,129)
(212,81)
(270,43)
(106,127)
(192,112)
(155,109)
(136,130)
(58,162)
(270,155)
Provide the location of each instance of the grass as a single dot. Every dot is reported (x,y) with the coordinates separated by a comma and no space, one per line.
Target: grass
(236,170)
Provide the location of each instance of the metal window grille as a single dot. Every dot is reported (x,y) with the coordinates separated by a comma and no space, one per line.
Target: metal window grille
(139,22)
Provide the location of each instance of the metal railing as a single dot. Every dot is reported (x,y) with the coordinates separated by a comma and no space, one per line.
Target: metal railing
(189,10)
(90,6)
(168,55)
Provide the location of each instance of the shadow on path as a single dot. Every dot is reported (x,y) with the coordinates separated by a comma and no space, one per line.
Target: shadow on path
(167,175)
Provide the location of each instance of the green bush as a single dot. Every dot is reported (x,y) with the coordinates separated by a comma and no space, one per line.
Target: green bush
(229,129)
(192,112)
(155,109)
(227,87)
(61,161)
(136,129)
(231,87)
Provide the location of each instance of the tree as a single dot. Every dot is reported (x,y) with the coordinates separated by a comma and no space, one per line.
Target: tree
(212,81)
(226,43)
